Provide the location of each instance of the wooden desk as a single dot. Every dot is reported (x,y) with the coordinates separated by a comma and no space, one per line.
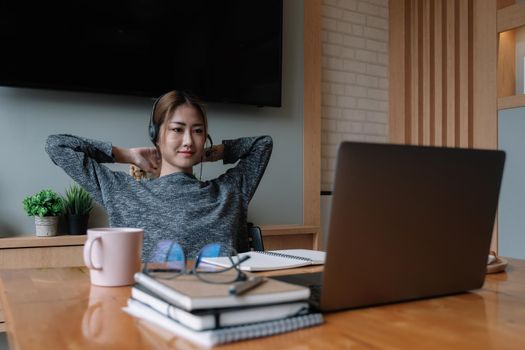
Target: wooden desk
(66,250)
(57,309)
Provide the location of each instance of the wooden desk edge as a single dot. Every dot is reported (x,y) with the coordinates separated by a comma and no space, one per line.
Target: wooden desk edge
(279,230)
(65,240)
(34,241)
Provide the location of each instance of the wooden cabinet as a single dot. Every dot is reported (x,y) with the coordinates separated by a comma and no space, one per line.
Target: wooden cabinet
(31,251)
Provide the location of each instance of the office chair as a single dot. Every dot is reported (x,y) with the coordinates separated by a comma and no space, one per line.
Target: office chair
(255,237)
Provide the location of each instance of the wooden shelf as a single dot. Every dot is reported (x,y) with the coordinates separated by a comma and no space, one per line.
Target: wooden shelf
(34,241)
(510,17)
(511,102)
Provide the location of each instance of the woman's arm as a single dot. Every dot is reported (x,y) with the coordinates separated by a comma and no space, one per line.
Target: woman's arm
(81,159)
(253,155)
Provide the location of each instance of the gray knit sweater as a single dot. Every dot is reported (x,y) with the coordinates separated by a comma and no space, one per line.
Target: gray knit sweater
(176,206)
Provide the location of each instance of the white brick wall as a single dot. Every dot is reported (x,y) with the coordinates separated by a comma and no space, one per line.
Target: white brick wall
(354,77)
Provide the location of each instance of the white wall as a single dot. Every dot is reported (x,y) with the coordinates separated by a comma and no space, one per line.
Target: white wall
(511,219)
(354,82)
(354,77)
(28,116)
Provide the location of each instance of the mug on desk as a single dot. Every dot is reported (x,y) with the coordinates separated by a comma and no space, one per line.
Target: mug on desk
(112,255)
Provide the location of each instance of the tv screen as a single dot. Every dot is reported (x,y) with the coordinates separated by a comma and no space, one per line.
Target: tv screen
(221,50)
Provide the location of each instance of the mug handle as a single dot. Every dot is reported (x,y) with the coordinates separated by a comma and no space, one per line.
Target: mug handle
(87,254)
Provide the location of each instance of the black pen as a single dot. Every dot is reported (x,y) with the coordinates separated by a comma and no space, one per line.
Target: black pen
(240,287)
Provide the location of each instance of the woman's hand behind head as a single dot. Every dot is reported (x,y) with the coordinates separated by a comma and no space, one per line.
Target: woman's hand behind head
(147,159)
(213,154)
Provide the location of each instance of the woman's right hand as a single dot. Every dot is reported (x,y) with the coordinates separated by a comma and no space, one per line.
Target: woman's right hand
(146,158)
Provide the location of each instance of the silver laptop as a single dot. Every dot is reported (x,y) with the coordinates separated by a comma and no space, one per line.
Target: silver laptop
(407,222)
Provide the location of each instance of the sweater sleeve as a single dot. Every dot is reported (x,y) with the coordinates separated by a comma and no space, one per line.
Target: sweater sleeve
(81,159)
(253,154)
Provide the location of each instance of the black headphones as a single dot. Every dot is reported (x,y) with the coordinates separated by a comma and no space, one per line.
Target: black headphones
(153,128)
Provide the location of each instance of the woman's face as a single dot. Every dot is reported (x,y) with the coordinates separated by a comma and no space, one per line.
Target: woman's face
(181,141)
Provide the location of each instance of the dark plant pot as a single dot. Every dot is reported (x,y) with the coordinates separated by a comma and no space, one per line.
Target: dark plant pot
(77,224)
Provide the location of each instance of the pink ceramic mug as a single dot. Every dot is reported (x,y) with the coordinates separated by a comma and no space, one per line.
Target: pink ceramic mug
(113,255)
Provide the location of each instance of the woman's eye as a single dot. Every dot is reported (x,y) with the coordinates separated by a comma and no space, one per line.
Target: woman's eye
(198,131)
(177,129)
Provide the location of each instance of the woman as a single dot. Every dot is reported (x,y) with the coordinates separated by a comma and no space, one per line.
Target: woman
(176,205)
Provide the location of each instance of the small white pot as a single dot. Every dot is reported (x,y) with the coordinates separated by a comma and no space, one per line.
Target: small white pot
(46,226)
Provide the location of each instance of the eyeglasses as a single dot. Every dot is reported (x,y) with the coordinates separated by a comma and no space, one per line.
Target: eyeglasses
(168,261)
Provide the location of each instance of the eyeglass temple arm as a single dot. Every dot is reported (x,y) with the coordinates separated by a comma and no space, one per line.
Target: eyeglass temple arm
(241,260)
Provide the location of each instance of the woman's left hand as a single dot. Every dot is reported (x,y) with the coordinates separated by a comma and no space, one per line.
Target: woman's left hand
(214,153)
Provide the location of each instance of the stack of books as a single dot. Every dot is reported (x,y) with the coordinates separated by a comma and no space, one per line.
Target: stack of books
(208,314)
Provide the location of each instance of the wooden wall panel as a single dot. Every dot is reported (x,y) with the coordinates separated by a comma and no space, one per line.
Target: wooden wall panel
(312,113)
(485,122)
(425,126)
(436,66)
(445,57)
(446,93)
(398,65)
(413,74)
(449,73)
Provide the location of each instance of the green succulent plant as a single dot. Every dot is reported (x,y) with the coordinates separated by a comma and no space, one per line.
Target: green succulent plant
(44,203)
(77,201)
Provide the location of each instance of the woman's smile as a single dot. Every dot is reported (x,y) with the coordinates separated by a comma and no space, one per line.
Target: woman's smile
(186,153)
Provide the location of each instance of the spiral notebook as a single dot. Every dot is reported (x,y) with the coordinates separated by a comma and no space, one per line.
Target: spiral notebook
(222,335)
(190,293)
(218,317)
(274,259)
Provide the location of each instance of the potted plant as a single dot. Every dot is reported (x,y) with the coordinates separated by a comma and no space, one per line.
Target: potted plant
(45,206)
(77,205)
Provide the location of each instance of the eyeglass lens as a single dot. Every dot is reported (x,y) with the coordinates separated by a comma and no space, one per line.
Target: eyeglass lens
(168,260)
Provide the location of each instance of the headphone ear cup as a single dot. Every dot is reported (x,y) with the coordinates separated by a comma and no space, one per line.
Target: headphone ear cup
(152,130)
(208,152)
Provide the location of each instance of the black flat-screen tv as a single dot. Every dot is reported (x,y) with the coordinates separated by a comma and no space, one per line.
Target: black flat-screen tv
(221,50)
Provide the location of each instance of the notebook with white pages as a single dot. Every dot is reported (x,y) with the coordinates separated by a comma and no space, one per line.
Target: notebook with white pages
(218,317)
(209,338)
(274,259)
(191,293)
